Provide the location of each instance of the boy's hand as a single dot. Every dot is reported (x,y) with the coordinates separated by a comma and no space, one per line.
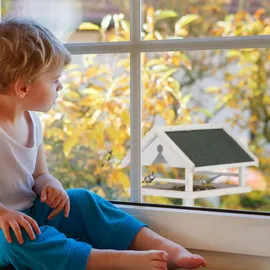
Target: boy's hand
(15,220)
(56,197)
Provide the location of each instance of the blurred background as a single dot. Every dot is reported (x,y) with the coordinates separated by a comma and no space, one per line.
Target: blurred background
(87,134)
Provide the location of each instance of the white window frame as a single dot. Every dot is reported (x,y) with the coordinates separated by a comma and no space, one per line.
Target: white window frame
(233,233)
(237,233)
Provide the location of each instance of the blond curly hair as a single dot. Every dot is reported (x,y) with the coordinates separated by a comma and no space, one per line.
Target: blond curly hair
(27,49)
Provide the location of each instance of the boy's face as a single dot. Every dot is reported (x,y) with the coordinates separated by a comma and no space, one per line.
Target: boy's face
(44,91)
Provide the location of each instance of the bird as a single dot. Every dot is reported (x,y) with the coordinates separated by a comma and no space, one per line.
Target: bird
(106,158)
(149,178)
(209,180)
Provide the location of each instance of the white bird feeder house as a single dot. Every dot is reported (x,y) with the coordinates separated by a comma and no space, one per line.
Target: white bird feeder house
(207,149)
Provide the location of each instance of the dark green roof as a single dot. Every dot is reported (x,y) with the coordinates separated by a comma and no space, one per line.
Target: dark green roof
(209,147)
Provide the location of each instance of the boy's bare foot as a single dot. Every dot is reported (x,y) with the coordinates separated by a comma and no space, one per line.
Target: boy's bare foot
(179,257)
(146,260)
(182,258)
(127,260)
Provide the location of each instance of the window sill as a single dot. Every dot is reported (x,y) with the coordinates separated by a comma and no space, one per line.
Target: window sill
(208,231)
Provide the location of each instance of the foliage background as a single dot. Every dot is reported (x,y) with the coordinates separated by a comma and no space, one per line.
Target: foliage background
(87,134)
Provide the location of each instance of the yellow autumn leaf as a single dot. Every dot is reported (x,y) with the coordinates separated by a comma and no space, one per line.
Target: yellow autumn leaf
(123,63)
(185,20)
(95,116)
(100,139)
(149,37)
(113,133)
(169,116)
(164,14)
(97,170)
(154,62)
(97,87)
(118,176)
(69,143)
(125,117)
(95,71)
(48,147)
(176,60)
(119,150)
(212,89)
(88,26)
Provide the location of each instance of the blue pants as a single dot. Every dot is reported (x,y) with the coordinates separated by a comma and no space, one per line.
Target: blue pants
(65,243)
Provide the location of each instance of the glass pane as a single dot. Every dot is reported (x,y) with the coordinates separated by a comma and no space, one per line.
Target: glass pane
(78,21)
(228,87)
(170,19)
(86,133)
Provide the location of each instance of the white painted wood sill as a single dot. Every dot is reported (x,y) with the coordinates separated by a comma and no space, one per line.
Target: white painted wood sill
(227,241)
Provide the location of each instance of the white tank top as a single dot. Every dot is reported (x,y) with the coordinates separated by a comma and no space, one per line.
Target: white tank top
(17,164)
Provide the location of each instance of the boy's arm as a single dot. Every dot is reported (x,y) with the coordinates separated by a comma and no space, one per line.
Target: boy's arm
(49,188)
(41,174)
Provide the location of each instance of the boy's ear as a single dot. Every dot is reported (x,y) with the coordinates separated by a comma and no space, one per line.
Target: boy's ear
(21,89)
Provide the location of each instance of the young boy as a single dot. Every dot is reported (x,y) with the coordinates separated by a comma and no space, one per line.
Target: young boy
(42,226)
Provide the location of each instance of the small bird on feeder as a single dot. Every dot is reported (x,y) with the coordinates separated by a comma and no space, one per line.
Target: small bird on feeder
(209,180)
(149,178)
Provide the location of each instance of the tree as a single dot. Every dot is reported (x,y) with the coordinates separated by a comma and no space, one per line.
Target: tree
(87,135)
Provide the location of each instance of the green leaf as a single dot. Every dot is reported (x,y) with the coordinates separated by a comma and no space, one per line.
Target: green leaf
(206,112)
(106,22)
(185,100)
(164,14)
(185,20)
(89,26)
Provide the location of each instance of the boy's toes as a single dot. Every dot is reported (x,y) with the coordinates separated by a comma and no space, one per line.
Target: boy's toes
(200,259)
(161,265)
(160,255)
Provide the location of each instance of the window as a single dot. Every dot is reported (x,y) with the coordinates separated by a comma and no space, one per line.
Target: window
(220,76)
(89,127)
(188,62)
(79,20)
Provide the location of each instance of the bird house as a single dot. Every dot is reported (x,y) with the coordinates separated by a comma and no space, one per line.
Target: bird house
(207,149)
